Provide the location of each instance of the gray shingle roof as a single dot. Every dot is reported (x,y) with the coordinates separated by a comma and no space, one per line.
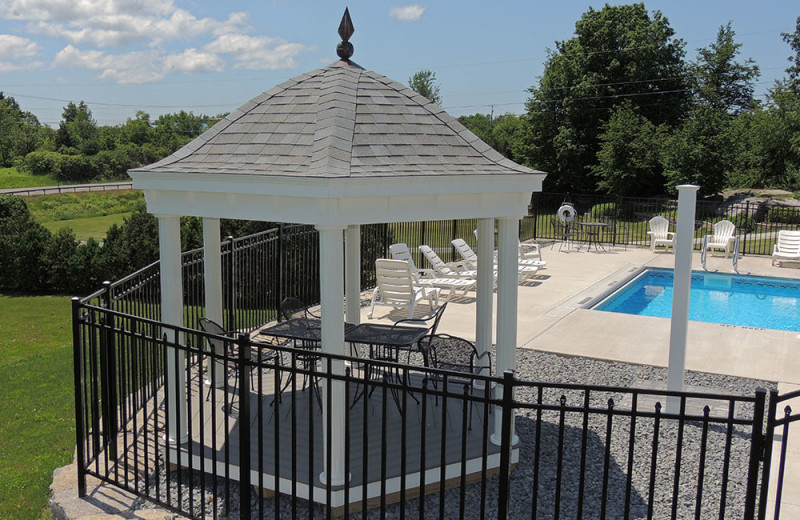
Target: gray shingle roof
(338,121)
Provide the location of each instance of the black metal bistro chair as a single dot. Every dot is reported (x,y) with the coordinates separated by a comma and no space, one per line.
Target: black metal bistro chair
(454,354)
(293,308)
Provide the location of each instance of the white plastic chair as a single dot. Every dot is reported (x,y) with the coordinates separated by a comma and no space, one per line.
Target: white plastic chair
(660,234)
(722,238)
(787,248)
(396,287)
(430,277)
(440,268)
(529,253)
(471,260)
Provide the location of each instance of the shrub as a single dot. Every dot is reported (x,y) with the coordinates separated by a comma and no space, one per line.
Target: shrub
(42,163)
(783,215)
(606,209)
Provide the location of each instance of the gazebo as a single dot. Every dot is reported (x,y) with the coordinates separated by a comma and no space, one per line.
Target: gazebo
(337,148)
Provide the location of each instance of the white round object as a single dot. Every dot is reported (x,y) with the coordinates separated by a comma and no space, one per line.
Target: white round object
(566,213)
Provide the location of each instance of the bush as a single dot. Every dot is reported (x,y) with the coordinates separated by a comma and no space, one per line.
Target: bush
(783,215)
(606,209)
(42,163)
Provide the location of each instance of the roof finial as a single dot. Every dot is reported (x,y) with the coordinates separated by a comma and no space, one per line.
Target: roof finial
(345,48)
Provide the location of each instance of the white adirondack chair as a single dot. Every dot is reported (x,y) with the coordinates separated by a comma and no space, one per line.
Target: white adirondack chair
(787,248)
(722,238)
(660,234)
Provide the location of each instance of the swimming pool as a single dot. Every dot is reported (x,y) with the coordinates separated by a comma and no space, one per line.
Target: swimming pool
(750,301)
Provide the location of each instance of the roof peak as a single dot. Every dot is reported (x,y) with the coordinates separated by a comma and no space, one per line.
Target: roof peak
(345,49)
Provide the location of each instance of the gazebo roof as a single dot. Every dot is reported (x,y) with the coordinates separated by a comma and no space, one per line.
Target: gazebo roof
(338,121)
(338,145)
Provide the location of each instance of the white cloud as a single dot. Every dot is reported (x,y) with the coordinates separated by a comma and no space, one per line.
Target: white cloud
(257,52)
(407,13)
(13,47)
(193,61)
(77,10)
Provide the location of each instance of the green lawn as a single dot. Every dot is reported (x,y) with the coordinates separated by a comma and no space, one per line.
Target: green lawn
(47,208)
(11,178)
(85,228)
(37,432)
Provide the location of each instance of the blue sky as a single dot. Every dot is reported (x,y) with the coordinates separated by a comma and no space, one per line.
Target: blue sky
(208,57)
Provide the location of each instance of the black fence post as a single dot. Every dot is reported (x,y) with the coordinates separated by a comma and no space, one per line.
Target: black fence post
(279,278)
(757,450)
(767,454)
(78,379)
(243,344)
(452,247)
(108,374)
(744,235)
(506,445)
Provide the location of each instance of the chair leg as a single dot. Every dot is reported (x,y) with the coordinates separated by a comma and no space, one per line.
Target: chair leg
(372,306)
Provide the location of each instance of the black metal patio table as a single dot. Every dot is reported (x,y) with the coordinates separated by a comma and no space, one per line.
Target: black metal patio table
(592,231)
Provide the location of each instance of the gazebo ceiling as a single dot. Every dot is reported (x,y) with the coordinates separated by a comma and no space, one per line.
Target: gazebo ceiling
(339,132)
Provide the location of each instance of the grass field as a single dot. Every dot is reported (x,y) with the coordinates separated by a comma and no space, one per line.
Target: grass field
(11,178)
(37,433)
(85,228)
(48,208)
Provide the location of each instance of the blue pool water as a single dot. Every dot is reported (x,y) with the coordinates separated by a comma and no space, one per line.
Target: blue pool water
(750,301)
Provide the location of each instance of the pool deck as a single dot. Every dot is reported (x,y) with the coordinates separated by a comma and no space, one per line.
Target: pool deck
(552,318)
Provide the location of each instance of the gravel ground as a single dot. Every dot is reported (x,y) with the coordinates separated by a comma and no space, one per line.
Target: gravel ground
(621,493)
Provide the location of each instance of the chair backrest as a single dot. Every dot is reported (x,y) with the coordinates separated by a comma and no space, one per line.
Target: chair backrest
(395,282)
(400,251)
(659,227)
(292,307)
(453,353)
(723,230)
(788,242)
(212,327)
(466,252)
(436,262)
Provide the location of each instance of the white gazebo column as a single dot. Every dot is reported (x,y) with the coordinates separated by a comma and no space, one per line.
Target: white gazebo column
(485,290)
(331,291)
(169,245)
(681,287)
(352,267)
(212,271)
(507,279)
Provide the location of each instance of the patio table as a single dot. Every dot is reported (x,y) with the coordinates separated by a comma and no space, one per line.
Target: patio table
(593,231)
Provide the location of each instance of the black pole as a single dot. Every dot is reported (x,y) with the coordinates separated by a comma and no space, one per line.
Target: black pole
(243,344)
(506,445)
(77,366)
(756,452)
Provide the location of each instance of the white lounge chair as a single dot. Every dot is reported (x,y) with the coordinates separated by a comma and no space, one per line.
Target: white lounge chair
(722,238)
(450,270)
(660,234)
(787,248)
(471,260)
(529,253)
(396,287)
(429,277)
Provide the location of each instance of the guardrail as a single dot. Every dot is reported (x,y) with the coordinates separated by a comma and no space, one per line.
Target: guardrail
(72,188)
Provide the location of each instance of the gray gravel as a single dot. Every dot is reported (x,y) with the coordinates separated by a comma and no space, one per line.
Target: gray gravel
(620,493)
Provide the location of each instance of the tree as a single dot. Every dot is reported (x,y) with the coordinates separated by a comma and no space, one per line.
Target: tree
(619,53)
(721,82)
(480,125)
(424,84)
(77,132)
(793,39)
(628,160)
(20,132)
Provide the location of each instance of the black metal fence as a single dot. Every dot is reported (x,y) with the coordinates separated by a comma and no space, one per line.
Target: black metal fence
(255,443)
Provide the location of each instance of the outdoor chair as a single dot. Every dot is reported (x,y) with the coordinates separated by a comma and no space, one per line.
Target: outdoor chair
(471,260)
(454,354)
(430,277)
(529,254)
(396,287)
(787,247)
(450,270)
(660,234)
(562,230)
(308,355)
(227,348)
(722,237)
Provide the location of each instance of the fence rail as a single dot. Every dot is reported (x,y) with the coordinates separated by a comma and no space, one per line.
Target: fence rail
(67,188)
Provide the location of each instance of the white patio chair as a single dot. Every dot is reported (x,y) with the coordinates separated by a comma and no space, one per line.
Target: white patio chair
(787,248)
(722,238)
(524,271)
(660,234)
(529,253)
(396,287)
(429,277)
(450,270)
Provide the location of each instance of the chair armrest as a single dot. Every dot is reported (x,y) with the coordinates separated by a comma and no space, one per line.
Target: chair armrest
(670,233)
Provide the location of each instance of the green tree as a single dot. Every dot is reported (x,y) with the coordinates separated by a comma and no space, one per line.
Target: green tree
(424,84)
(77,133)
(628,162)
(793,39)
(701,152)
(509,134)
(20,132)
(618,53)
(719,80)
(480,125)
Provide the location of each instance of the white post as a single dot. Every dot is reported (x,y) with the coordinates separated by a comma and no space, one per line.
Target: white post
(681,285)
(169,245)
(331,292)
(212,269)
(507,279)
(485,290)
(352,263)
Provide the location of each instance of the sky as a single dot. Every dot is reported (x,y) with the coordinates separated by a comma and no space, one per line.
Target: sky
(209,57)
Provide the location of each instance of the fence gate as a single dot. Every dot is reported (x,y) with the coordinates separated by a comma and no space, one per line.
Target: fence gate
(777,455)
